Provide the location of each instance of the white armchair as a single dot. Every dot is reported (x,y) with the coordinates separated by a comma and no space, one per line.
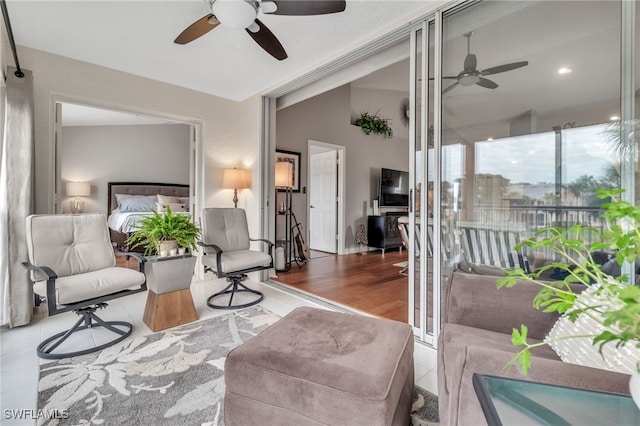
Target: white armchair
(72,265)
(227,253)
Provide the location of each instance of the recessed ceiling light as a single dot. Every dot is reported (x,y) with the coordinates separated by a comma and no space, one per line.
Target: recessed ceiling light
(489,139)
(565,70)
(614,118)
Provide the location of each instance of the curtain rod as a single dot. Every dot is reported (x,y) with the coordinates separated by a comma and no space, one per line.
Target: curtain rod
(7,23)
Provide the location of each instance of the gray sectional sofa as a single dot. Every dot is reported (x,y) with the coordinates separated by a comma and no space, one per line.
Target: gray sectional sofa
(476,338)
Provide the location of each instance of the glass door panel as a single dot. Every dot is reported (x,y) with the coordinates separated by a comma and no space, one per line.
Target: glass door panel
(527,125)
(417,288)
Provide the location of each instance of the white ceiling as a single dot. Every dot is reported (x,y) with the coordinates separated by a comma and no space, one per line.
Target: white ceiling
(535,32)
(137,37)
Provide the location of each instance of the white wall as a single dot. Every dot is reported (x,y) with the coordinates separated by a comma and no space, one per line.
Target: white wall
(5,51)
(231,129)
(139,153)
(327,118)
(385,103)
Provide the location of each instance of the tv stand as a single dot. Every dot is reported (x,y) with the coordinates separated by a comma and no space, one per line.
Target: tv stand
(383,231)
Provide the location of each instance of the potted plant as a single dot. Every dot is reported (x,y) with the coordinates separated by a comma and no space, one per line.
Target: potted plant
(611,303)
(162,228)
(373,123)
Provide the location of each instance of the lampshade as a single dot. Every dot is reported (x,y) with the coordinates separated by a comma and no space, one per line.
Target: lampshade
(284,174)
(236,179)
(78,189)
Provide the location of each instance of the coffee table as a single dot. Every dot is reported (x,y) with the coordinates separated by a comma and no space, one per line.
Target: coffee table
(507,401)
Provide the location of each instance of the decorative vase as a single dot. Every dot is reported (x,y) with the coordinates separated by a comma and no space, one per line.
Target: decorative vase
(634,386)
(167,246)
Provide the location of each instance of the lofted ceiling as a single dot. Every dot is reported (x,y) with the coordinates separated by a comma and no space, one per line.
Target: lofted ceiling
(137,37)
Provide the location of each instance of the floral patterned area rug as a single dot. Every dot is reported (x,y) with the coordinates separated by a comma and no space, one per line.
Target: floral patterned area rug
(173,377)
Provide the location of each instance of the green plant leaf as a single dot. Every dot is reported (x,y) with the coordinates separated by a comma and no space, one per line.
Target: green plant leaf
(159,227)
(525,361)
(519,337)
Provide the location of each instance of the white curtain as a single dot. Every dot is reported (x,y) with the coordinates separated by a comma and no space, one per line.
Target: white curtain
(16,198)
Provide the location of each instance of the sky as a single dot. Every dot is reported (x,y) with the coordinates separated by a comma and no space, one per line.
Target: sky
(531,158)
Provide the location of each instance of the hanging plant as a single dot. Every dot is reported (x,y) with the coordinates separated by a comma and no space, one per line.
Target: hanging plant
(373,123)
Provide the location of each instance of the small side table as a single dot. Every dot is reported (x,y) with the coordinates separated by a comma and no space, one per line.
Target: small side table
(507,401)
(169,301)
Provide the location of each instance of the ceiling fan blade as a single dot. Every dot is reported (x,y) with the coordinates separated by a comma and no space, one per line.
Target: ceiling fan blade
(197,29)
(265,38)
(504,68)
(484,82)
(470,62)
(307,7)
(450,87)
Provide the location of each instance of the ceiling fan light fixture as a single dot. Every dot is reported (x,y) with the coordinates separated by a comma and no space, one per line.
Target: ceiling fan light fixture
(565,70)
(235,13)
(468,79)
(268,6)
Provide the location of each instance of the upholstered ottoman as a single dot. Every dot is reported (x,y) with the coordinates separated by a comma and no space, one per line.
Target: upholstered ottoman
(316,367)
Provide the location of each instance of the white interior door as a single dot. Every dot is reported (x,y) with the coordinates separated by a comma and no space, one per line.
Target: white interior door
(323,201)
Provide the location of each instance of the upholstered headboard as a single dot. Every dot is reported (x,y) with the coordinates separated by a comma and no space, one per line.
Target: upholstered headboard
(143,188)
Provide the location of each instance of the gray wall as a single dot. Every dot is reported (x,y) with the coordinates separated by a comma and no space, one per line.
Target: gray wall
(327,118)
(140,153)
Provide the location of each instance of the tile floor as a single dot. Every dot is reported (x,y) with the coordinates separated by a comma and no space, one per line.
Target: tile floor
(19,362)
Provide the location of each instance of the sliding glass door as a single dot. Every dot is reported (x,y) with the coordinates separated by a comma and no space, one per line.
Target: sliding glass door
(518,124)
(518,112)
(530,105)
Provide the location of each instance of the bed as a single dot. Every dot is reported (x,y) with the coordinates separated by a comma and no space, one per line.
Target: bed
(140,196)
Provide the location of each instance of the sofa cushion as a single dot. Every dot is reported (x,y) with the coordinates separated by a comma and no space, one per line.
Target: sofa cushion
(453,343)
(510,307)
(455,337)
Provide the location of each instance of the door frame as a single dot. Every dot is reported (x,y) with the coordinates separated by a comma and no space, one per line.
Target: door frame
(341,151)
(196,151)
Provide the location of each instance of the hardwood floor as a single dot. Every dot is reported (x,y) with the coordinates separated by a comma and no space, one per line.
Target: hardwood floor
(123,262)
(368,283)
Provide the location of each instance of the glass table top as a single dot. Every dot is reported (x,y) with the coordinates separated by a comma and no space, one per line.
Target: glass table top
(517,402)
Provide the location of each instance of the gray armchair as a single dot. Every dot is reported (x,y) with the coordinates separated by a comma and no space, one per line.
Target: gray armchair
(227,253)
(72,265)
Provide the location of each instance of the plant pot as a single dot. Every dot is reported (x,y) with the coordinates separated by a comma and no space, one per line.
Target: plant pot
(634,386)
(170,274)
(167,246)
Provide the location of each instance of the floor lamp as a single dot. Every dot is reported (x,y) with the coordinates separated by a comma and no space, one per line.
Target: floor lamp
(284,182)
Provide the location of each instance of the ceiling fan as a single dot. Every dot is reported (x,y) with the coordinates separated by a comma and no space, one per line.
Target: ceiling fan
(244,13)
(470,74)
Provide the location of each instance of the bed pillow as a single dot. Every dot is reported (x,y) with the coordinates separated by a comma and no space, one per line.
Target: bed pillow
(186,201)
(136,203)
(175,207)
(167,199)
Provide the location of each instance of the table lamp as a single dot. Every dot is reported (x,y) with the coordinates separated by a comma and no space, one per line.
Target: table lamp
(78,189)
(236,179)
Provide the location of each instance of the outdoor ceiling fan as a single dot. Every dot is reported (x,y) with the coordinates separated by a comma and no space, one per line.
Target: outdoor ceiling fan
(470,74)
(244,14)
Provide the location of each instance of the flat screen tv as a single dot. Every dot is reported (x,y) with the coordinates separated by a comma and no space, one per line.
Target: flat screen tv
(394,188)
